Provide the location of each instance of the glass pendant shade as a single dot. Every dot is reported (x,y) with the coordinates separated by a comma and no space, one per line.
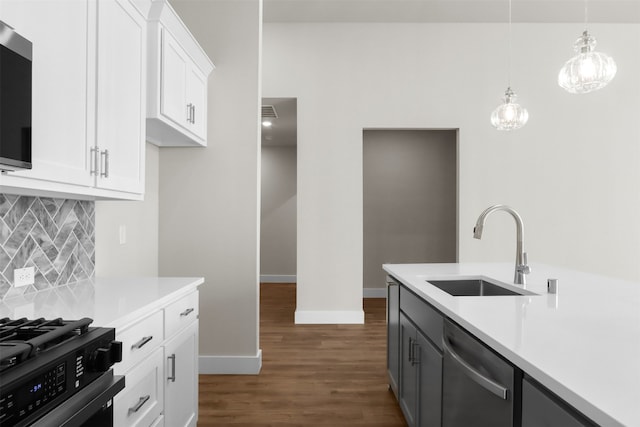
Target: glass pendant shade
(509,115)
(588,70)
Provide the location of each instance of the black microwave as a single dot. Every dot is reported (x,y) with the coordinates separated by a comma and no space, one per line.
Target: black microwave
(15,100)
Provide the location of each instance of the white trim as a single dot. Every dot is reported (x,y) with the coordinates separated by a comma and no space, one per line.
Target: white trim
(329,317)
(231,365)
(374,292)
(278,278)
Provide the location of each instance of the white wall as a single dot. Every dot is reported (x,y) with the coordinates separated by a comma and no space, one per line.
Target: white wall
(210,197)
(572,172)
(138,256)
(278,213)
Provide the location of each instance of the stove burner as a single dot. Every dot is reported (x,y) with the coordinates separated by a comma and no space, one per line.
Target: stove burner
(23,339)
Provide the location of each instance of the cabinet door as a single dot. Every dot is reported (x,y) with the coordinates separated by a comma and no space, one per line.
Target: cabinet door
(140,403)
(197,97)
(408,390)
(542,409)
(181,384)
(393,334)
(429,383)
(60,137)
(121,73)
(173,90)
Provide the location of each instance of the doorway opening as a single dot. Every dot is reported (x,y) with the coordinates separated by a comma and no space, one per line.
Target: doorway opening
(278,215)
(410,200)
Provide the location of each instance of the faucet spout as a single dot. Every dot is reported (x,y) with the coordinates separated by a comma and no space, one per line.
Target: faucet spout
(521,268)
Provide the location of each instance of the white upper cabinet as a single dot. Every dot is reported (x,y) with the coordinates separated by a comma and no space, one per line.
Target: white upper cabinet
(61,139)
(89,97)
(177,82)
(121,97)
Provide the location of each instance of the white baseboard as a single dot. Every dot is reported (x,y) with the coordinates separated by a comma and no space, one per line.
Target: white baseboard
(329,317)
(374,292)
(278,278)
(230,365)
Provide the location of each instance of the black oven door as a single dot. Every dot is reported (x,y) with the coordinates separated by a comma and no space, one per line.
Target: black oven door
(93,406)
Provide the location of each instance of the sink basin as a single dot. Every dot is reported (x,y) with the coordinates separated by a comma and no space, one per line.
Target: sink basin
(474,288)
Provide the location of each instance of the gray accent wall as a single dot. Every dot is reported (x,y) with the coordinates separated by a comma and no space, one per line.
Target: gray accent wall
(55,236)
(278,214)
(409,199)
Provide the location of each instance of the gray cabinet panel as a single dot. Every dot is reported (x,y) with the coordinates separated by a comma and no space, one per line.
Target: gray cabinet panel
(393,334)
(420,392)
(408,390)
(426,318)
(430,383)
(540,408)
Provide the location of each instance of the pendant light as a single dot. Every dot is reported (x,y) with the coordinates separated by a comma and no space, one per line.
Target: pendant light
(509,115)
(588,70)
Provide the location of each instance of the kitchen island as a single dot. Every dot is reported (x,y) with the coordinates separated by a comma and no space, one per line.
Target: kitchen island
(583,343)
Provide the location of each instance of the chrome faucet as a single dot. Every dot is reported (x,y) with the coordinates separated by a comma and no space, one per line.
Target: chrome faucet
(521,257)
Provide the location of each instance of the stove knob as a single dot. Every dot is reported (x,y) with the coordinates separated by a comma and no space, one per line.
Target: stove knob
(104,357)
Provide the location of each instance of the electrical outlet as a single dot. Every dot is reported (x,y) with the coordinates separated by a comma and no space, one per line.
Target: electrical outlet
(23,276)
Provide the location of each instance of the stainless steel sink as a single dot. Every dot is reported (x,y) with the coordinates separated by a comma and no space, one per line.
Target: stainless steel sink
(474,288)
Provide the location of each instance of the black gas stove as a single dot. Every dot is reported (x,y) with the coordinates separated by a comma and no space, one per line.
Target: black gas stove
(57,372)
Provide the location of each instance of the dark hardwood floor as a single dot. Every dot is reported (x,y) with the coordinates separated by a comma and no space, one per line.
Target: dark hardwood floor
(312,375)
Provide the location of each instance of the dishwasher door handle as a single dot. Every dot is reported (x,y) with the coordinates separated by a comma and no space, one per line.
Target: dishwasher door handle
(486,383)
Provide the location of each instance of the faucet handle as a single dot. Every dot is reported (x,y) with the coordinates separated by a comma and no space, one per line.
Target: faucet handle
(524,267)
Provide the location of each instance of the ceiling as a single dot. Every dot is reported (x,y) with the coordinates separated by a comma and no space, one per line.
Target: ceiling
(283,131)
(468,11)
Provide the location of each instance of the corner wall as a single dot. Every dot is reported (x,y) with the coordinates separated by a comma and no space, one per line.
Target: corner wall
(210,197)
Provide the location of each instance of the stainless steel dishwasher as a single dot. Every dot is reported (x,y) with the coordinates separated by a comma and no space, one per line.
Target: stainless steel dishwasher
(479,387)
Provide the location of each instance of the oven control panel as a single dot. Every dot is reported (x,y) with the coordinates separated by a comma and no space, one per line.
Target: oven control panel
(19,403)
(32,393)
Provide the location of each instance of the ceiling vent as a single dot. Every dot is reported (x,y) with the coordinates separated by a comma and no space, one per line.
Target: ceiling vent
(268,111)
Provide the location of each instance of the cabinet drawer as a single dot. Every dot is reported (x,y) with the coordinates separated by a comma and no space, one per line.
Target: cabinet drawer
(139,340)
(426,318)
(180,314)
(141,402)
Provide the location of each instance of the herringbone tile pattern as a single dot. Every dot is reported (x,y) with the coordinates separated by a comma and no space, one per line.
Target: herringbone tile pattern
(55,236)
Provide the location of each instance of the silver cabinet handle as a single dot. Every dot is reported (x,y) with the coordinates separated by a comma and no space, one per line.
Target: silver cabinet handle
(190,113)
(193,115)
(105,171)
(94,160)
(172,377)
(187,312)
(135,408)
(142,342)
(486,383)
(416,353)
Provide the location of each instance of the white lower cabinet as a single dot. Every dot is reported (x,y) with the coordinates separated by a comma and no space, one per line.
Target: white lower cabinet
(141,402)
(160,365)
(181,387)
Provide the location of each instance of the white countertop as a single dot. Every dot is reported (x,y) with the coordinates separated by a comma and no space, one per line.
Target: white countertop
(112,302)
(583,343)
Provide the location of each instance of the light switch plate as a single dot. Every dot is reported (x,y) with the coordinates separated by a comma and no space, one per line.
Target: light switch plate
(23,276)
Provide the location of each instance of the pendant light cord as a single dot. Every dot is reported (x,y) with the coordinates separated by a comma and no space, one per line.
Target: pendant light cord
(586,14)
(509,50)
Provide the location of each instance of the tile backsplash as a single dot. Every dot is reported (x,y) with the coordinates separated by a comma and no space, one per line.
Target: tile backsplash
(55,236)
